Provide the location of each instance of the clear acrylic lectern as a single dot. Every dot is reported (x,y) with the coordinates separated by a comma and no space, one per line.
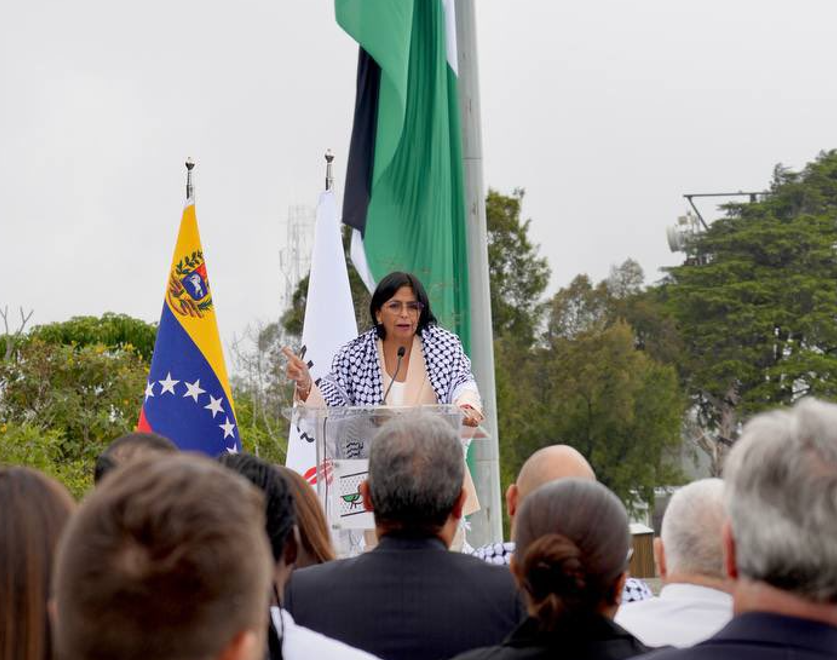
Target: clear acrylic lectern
(343,437)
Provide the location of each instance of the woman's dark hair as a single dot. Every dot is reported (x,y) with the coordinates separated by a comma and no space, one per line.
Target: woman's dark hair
(313,530)
(280,515)
(388,287)
(572,540)
(33,513)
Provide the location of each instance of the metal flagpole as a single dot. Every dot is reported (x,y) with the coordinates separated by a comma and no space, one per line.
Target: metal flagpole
(329,158)
(190,189)
(487,524)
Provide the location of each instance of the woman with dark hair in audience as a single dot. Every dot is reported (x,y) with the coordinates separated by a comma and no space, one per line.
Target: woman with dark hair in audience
(315,542)
(286,640)
(572,556)
(33,512)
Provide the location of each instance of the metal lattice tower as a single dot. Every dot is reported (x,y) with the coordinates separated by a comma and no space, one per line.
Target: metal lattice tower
(295,257)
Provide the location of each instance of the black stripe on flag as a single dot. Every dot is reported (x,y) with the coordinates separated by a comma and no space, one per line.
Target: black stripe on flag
(362,148)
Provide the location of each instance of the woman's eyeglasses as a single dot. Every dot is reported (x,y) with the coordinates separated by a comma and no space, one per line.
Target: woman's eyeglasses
(396,306)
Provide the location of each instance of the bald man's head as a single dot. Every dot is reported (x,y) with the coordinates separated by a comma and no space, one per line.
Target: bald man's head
(547,464)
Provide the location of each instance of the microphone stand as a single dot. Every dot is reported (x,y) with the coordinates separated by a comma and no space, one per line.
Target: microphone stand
(401,352)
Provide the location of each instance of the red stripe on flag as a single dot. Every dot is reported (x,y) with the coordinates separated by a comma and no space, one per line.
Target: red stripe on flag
(142,424)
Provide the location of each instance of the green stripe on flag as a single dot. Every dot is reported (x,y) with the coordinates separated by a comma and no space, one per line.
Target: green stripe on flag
(416,216)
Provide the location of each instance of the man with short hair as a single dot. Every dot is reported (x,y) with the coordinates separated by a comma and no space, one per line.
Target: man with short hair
(130,447)
(165,560)
(695,602)
(780,550)
(549,464)
(545,465)
(410,598)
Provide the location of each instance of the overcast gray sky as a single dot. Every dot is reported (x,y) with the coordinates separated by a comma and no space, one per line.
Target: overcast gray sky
(605,111)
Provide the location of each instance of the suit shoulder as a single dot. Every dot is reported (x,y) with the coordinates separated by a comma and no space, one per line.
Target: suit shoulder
(482,570)
(327,571)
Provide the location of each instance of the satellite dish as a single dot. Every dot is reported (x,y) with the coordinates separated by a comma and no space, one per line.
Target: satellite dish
(675,239)
(679,236)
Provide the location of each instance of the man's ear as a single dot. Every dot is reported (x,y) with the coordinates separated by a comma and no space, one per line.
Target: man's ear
(729,551)
(459,505)
(515,568)
(511,499)
(366,494)
(660,557)
(246,645)
(619,589)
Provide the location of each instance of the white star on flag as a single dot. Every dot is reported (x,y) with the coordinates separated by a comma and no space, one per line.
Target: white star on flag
(232,450)
(214,405)
(168,384)
(149,390)
(194,390)
(228,428)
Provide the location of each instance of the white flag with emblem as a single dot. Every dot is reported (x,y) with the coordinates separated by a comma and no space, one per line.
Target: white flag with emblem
(329,319)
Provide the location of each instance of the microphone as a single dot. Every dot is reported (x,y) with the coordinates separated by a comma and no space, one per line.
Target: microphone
(401,352)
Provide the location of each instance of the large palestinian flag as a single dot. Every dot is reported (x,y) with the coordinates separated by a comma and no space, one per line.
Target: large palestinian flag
(404,195)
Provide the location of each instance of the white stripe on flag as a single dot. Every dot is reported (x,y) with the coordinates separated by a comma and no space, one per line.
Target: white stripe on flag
(357,252)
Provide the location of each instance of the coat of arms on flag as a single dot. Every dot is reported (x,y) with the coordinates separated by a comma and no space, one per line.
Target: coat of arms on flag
(188,397)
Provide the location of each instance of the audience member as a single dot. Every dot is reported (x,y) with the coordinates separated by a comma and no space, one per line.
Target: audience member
(130,447)
(286,640)
(33,511)
(165,559)
(409,597)
(315,541)
(695,602)
(545,465)
(572,542)
(781,495)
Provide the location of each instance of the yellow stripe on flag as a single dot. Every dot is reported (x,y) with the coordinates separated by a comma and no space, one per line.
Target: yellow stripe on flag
(195,313)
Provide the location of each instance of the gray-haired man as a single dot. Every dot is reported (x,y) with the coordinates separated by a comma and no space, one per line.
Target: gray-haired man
(409,597)
(695,602)
(780,549)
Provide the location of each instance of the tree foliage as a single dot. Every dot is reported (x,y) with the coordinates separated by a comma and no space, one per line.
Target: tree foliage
(517,274)
(112,330)
(589,383)
(61,405)
(756,302)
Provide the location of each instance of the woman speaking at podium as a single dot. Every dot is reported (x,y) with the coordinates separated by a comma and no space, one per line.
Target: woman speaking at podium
(406,359)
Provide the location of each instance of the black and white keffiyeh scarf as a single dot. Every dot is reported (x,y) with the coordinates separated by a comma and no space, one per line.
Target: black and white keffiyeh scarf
(355,378)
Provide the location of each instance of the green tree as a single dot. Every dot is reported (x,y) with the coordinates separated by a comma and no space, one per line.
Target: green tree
(756,300)
(590,382)
(518,276)
(113,330)
(616,405)
(61,405)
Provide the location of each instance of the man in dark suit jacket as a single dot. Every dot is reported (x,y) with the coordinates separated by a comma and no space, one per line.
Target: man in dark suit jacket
(410,598)
(779,543)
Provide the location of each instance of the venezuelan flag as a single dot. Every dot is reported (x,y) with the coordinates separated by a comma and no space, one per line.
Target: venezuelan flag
(188,397)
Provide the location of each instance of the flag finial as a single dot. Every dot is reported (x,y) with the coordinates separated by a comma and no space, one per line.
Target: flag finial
(190,189)
(329,157)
